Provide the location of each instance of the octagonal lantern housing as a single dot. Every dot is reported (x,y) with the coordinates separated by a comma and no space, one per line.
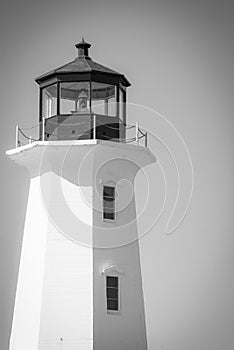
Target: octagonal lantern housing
(83,98)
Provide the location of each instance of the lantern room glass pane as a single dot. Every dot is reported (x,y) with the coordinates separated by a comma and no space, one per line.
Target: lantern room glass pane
(104,99)
(49,101)
(74,97)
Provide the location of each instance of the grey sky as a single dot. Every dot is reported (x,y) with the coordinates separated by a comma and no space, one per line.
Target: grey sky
(178,56)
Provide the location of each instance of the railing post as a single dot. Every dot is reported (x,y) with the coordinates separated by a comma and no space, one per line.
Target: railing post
(146,139)
(137,132)
(43,128)
(16,136)
(30,139)
(122,126)
(94,127)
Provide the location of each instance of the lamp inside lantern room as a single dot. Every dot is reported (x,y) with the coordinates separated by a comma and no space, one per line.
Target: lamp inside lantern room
(82,102)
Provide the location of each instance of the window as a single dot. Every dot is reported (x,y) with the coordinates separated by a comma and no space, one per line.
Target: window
(74,97)
(112,293)
(104,99)
(109,203)
(49,101)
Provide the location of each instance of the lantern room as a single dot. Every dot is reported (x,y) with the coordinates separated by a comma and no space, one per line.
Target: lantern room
(83,100)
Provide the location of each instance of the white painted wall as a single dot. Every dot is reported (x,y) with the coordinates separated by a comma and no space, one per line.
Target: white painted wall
(67,302)
(26,320)
(126,328)
(54,296)
(60,301)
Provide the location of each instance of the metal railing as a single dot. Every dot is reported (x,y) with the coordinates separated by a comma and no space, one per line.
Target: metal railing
(132,133)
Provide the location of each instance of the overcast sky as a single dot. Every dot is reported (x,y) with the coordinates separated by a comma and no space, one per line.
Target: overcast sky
(178,56)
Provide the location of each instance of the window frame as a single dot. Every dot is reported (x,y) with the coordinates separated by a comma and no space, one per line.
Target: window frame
(60,83)
(42,101)
(110,210)
(112,311)
(104,102)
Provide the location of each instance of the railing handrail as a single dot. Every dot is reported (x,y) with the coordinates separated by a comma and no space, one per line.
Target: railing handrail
(139,132)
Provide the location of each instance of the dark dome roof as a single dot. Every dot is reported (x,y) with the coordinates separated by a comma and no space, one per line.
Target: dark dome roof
(82,64)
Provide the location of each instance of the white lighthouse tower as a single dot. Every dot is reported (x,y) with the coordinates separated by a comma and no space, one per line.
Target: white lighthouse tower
(79,283)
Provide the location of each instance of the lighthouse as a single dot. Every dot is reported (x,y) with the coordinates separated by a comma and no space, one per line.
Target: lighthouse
(79,283)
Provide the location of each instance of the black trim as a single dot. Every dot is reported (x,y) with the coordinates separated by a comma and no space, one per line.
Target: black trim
(100,77)
(40,104)
(90,95)
(117,99)
(58,98)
